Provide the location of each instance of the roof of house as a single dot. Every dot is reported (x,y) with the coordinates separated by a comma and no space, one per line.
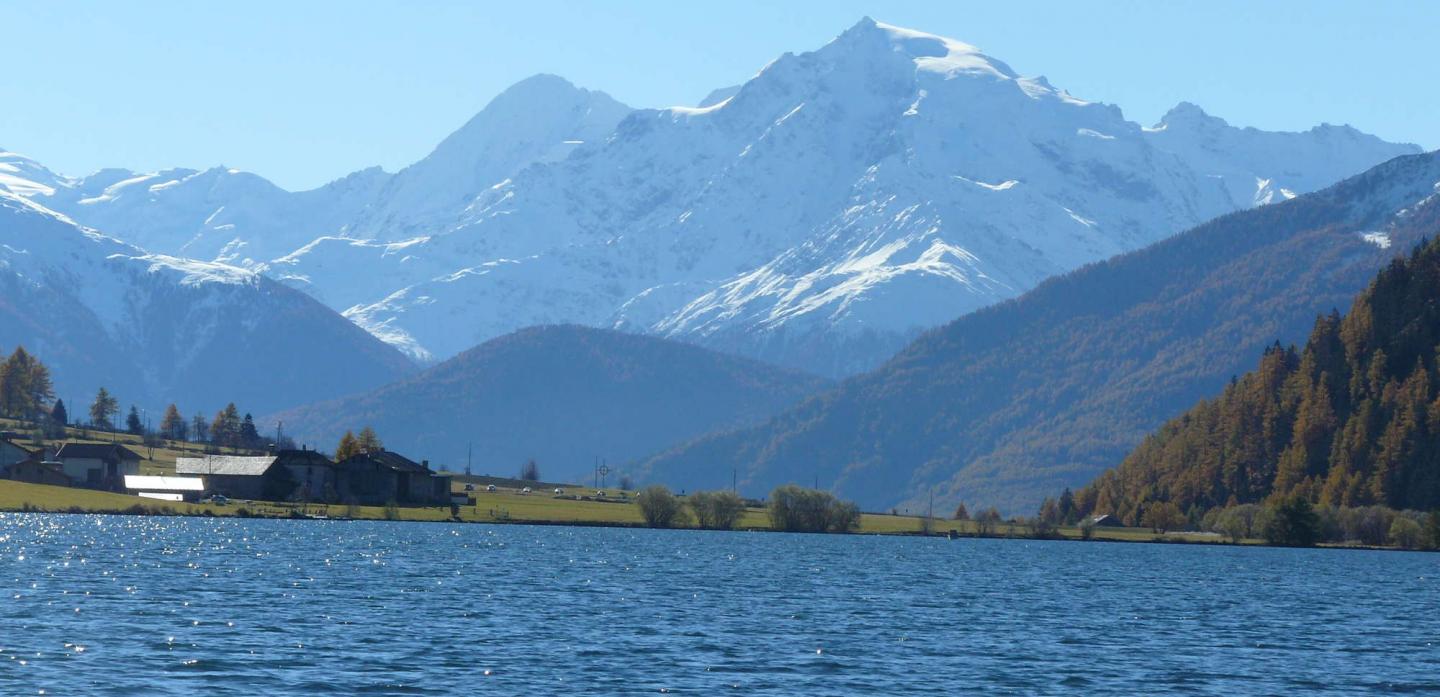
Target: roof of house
(385,458)
(96,451)
(227,465)
(136,481)
(39,464)
(28,452)
(303,457)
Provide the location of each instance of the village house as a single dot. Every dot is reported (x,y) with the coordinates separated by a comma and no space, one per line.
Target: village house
(98,465)
(380,477)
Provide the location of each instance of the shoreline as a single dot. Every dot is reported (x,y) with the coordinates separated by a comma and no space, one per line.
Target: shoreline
(943,529)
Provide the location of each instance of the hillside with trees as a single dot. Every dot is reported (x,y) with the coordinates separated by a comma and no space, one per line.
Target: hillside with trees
(1017,401)
(1352,419)
(557,397)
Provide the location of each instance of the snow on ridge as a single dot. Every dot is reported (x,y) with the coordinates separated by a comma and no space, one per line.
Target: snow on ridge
(196,273)
(1378,238)
(939,54)
(1002,186)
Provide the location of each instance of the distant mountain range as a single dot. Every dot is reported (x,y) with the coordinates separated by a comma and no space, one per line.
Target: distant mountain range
(563,395)
(155,329)
(1013,402)
(819,216)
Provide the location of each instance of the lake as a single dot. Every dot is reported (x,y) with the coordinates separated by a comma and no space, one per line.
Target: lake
(105,605)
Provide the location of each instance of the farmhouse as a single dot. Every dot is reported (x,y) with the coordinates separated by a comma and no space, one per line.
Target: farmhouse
(377,478)
(238,476)
(368,478)
(98,465)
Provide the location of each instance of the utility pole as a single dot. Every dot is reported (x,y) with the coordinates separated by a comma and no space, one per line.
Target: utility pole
(469,452)
(733,481)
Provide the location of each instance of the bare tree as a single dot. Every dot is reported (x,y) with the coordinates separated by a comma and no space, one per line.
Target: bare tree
(659,507)
(717,510)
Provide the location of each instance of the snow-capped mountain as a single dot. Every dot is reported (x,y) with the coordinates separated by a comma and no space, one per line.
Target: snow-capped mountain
(836,204)
(154,328)
(818,215)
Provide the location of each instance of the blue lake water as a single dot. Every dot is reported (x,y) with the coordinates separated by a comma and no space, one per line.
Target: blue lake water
(101,605)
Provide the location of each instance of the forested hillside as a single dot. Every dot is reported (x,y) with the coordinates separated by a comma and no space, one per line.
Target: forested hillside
(1352,419)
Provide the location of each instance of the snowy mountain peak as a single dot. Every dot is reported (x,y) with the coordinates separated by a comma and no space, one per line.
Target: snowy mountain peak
(23,176)
(929,52)
(1187,115)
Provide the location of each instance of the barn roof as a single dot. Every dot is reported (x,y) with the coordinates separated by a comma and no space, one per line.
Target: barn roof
(226,465)
(388,459)
(96,451)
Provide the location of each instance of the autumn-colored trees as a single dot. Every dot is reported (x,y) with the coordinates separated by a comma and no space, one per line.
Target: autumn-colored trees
(1352,419)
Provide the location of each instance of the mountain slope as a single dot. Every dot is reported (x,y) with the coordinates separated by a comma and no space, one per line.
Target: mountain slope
(155,329)
(1351,420)
(1013,402)
(539,119)
(829,209)
(562,395)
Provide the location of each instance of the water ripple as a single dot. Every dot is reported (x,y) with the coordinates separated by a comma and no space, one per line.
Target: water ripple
(163,606)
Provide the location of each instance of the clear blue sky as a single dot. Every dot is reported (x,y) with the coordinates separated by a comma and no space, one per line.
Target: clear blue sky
(304,92)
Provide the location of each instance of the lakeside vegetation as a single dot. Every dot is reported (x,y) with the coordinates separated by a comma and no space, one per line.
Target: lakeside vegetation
(513,507)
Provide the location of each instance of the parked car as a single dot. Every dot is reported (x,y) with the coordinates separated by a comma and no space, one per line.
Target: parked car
(217,499)
(490,488)
(526,490)
(469,487)
(600,494)
(559,491)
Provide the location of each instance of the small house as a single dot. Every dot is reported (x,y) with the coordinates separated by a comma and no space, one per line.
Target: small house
(98,465)
(165,488)
(38,471)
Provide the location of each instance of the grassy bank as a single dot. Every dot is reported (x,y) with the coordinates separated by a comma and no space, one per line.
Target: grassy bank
(503,506)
